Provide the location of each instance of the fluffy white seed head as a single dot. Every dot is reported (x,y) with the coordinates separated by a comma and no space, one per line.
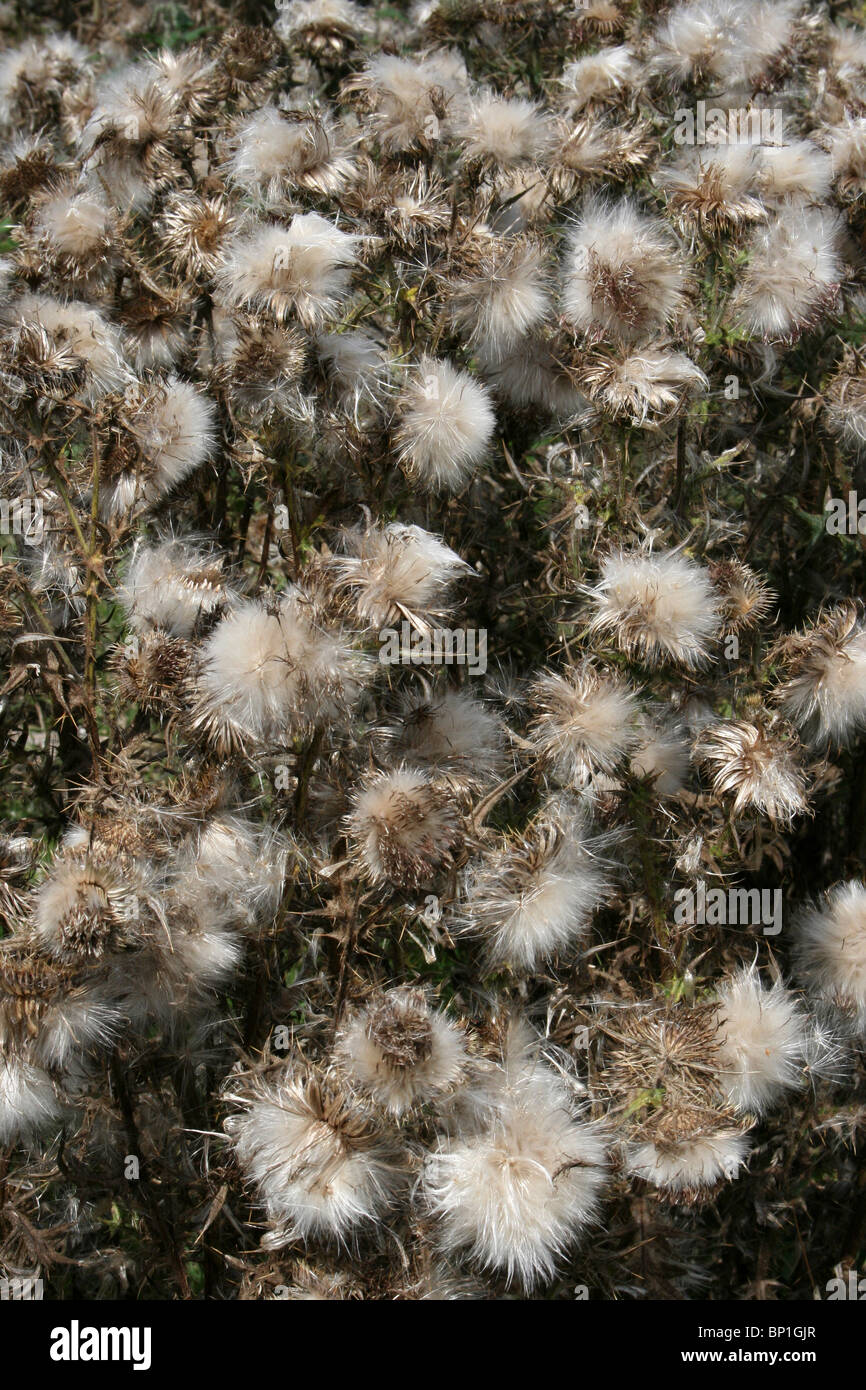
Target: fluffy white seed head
(318,1159)
(414,101)
(75,1023)
(82,331)
(662,754)
(845,406)
(624,276)
(517,1194)
(698,1161)
(450,733)
(825,693)
(394,572)
(171,586)
(760,771)
(87,905)
(276,152)
(204,955)
(731,42)
(173,425)
(74,226)
(533,899)
(325,18)
(656,607)
(598,76)
(134,110)
(793,274)
(504,297)
(715,187)
(400,1053)
(236,869)
(445,424)
(505,132)
(797,169)
(30,68)
(643,384)
(29,1100)
(846,143)
(302,270)
(584,722)
(404,827)
(831,948)
(269,671)
(847,51)
(763,1041)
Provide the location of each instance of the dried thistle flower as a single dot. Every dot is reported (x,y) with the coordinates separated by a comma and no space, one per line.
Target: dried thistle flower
(846,143)
(321,1163)
(28,165)
(154,672)
(276,152)
(763,1041)
(845,404)
(824,692)
(746,598)
(501,292)
(49,338)
(758,769)
(831,948)
(533,899)
(328,28)
(689,1154)
(727,42)
(793,276)
(505,132)
(395,572)
(445,424)
(642,386)
(517,1193)
(173,586)
(399,1053)
(71,229)
(262,367)
(193,230)
(285,277)
(413,101)
(16,861)
(624,278)
(592,147)
(447,732)
(715,188)
(664,1082)
(656,607)
(300,270)
(269,670)
(598,76)
(165,432)
(584,722)
(404,827)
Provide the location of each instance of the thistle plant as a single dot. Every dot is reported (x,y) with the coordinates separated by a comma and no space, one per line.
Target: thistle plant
(333,967)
